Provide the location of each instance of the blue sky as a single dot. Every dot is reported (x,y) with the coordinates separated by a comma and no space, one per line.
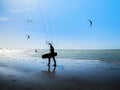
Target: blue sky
(65,21)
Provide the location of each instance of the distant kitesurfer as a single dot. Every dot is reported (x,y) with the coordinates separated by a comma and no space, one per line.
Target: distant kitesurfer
(35,50)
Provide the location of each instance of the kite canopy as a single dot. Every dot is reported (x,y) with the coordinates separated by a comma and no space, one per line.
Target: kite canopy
(90,22)
(28,36)
(30,21)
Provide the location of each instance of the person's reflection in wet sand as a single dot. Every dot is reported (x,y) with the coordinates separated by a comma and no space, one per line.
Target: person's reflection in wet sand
(49,71)
(53,71)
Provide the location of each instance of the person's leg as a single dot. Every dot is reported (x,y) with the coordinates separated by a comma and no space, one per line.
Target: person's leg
(48,61)
(54,61)
(54,69)
(48,68)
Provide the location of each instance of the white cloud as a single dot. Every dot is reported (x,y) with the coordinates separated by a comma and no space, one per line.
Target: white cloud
(2,18)
(20,10)
(20,6)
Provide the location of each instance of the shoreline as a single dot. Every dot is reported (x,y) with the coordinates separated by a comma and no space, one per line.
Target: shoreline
(34,74)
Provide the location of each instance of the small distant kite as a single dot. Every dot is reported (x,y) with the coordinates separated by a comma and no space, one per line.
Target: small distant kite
(30,21)
(28,36)
(90,22)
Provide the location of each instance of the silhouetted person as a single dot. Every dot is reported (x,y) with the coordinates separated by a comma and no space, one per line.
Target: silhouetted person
(52,54)
(35,50)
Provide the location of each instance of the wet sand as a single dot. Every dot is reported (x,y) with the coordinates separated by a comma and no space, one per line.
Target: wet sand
(34,74)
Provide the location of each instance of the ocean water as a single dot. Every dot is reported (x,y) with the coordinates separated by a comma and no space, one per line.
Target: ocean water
(108,55)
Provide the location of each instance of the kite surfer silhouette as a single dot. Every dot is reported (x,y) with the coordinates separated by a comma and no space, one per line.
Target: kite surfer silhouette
(50,55)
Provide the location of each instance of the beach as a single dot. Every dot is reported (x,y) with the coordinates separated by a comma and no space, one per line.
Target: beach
(25,73)
(81,36)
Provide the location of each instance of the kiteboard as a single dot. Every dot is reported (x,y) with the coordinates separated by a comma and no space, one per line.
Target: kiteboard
(49,55)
